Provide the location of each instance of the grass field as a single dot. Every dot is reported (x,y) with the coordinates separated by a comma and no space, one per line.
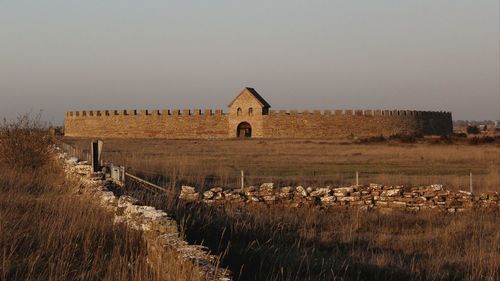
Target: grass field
(48,232)
(260,242)
(306,162)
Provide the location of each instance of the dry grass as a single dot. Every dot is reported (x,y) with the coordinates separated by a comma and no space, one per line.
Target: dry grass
(316,162)
(274,243)
(25,143)
(261,242)
(48,233)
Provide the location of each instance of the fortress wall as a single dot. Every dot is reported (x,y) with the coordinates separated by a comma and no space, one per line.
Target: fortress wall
(436,123)
(169,124)
(338,123)
(206,124)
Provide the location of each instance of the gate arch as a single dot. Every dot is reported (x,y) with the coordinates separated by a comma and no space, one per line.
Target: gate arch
(244,130)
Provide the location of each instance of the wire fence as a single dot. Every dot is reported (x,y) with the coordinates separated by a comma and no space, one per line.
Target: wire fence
(160,179)
(238,178)
(79,153)
(86,155)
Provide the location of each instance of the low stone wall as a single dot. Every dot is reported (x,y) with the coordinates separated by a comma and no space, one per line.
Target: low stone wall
(370,197)
(160,231)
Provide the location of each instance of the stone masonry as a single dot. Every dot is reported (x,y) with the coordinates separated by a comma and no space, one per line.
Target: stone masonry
(369,197)
(160,232)
(250,113)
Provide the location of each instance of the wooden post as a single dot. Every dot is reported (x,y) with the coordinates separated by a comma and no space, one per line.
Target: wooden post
(357,178)
(99,144)
(470,181)
(96,150)
(122,174)
(242,179)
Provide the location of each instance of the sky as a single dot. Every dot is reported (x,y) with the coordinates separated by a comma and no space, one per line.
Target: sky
(57,56)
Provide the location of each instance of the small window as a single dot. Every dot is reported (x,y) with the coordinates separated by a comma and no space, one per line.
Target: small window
(250,111)
(238,112)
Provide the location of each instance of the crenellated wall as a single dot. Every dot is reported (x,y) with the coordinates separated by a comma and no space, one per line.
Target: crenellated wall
(207,124)
(342,123)
(168,124)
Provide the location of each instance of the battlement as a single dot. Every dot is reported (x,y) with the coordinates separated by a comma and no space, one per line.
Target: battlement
(357,112)
(145,112)
(219,112)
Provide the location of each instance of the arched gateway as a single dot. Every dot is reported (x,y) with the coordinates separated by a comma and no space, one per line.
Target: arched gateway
(244,130)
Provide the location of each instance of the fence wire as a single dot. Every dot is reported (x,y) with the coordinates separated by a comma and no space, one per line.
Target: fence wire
(174,179)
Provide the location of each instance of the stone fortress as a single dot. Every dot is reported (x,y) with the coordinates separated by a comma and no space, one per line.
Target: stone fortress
(250,116)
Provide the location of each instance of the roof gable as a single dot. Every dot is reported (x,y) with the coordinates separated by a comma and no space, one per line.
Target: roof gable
(254,94)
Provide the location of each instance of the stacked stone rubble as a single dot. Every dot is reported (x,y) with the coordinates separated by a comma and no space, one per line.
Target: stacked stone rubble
(373,196)
(160,231)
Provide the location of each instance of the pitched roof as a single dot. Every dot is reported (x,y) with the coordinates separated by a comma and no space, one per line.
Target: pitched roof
(254,93)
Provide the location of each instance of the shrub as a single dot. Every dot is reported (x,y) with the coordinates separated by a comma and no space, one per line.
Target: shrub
(25,143)
(374,139)
(405,138)
(481,140)
(474,130)
(447,139)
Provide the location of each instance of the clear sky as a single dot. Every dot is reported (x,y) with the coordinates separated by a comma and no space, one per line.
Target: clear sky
(94,54)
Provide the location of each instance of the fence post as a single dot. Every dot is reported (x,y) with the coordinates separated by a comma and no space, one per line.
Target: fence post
(122,174)
(470,182)
(242,179)
(96,151)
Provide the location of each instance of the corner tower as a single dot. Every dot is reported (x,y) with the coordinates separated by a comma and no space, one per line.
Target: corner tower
(246,113)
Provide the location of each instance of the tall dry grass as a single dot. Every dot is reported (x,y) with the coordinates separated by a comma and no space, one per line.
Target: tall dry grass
(25,143)
(49,233)
(46,233)
(262,242)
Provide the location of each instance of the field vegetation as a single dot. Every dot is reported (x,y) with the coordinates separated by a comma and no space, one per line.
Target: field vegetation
(306,162)
(49,233)
(272,242)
